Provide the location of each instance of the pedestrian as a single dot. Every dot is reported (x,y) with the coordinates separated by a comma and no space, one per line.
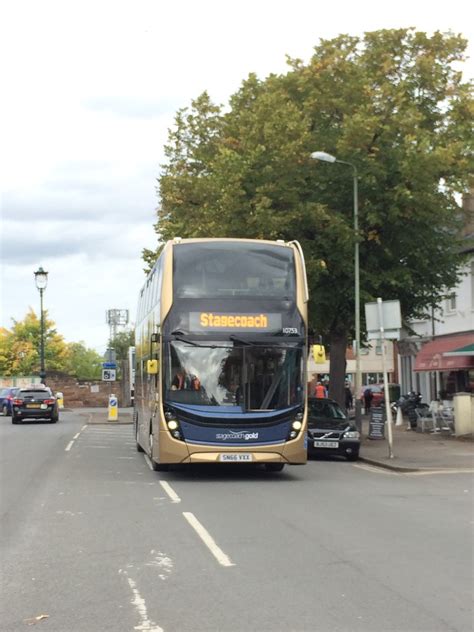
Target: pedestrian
(320,391)
(368,396)
(348,396)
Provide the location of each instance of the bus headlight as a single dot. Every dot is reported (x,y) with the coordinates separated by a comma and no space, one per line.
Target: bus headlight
(293,434)
(297,425)
(172,424)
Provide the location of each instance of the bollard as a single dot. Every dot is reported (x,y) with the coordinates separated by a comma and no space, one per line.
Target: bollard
(113,408)
(60,399)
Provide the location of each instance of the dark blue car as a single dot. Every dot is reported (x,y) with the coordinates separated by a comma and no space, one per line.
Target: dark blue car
(6,396)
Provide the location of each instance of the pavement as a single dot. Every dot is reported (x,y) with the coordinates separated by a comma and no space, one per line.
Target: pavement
(412,451)
(415,451)
(100,415)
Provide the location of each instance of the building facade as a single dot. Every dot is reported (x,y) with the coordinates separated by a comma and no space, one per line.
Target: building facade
(438,360)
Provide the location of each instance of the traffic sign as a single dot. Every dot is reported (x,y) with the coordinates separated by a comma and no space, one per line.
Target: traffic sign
(109,365)
(108,375)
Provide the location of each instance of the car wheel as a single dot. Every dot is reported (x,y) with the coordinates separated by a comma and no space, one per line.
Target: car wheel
(5,410)
(274,467)
(353,457)
(15,419)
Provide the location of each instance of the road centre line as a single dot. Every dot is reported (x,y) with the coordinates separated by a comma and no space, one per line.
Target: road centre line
(170,491)
(208,540)
(71,443)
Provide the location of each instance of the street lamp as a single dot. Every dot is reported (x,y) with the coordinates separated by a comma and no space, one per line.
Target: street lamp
(41,280)
(322,155)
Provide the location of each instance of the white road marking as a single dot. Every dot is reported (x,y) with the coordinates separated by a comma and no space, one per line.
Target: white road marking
(170,491)
(208,540)
(70,444)
(146,625)
(373,469)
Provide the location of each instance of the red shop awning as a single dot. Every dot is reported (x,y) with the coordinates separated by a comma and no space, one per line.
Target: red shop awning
(431,356)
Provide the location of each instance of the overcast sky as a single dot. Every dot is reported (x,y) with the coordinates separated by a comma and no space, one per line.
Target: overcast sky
(90,89)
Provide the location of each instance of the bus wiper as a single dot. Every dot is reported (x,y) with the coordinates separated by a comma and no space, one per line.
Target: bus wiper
(242,341)
(181,338)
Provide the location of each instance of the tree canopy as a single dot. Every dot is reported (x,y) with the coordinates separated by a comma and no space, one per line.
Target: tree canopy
(20,351)
(392,103)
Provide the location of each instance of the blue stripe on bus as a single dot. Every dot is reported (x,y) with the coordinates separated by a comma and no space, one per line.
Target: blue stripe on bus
(246,435)
(232,413)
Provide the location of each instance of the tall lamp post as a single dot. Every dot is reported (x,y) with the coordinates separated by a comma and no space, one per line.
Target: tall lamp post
(322,155)
(41,280)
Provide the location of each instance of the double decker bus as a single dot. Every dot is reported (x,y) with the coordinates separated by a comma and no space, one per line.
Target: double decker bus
(221,350)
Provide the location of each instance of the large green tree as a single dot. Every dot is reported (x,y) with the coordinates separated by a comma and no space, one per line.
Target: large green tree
(20,351)
(20,347)
(394,104)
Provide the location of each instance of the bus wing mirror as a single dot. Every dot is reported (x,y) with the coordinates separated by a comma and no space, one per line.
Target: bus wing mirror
(152,367)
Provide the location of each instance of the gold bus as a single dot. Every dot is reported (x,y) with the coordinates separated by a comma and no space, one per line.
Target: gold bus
(221,351)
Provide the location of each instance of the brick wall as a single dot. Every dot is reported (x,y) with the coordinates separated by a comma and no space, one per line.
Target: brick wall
(77,393)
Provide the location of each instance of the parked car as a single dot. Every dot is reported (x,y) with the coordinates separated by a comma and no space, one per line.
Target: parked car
(330,430)
(378,394)
(35,402)
(6,397)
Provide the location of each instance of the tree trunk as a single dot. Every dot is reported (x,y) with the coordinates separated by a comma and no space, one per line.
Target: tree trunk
(337,368)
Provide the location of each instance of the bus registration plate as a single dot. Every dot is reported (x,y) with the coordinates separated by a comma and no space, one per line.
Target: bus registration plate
(236,458)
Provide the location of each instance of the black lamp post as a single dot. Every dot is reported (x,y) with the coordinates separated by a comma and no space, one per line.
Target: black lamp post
(41,280)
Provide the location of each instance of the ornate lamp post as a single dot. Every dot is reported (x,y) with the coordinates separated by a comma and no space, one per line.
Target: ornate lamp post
(322,155)
(41,280)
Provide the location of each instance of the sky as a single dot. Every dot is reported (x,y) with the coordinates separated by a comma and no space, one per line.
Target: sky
(90,89)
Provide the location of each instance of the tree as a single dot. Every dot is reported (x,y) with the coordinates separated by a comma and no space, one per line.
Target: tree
(84,363)
(121,343)
(394,104)
(20,347)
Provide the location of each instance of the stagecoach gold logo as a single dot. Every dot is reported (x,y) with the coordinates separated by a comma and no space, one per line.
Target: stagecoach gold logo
(210,321)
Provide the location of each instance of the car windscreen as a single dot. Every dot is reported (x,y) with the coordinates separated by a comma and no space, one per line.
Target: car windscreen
(4,392)
(326,409)
(34,395)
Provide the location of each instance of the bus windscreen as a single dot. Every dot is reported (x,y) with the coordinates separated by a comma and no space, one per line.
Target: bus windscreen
(222,374)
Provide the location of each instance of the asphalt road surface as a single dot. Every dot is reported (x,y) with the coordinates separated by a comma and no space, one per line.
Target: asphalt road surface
(92,540)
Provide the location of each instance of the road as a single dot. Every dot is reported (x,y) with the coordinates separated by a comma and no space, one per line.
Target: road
(95,540)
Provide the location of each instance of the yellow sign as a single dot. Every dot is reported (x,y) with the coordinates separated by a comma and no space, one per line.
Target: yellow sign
(319,354)
(152,367)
